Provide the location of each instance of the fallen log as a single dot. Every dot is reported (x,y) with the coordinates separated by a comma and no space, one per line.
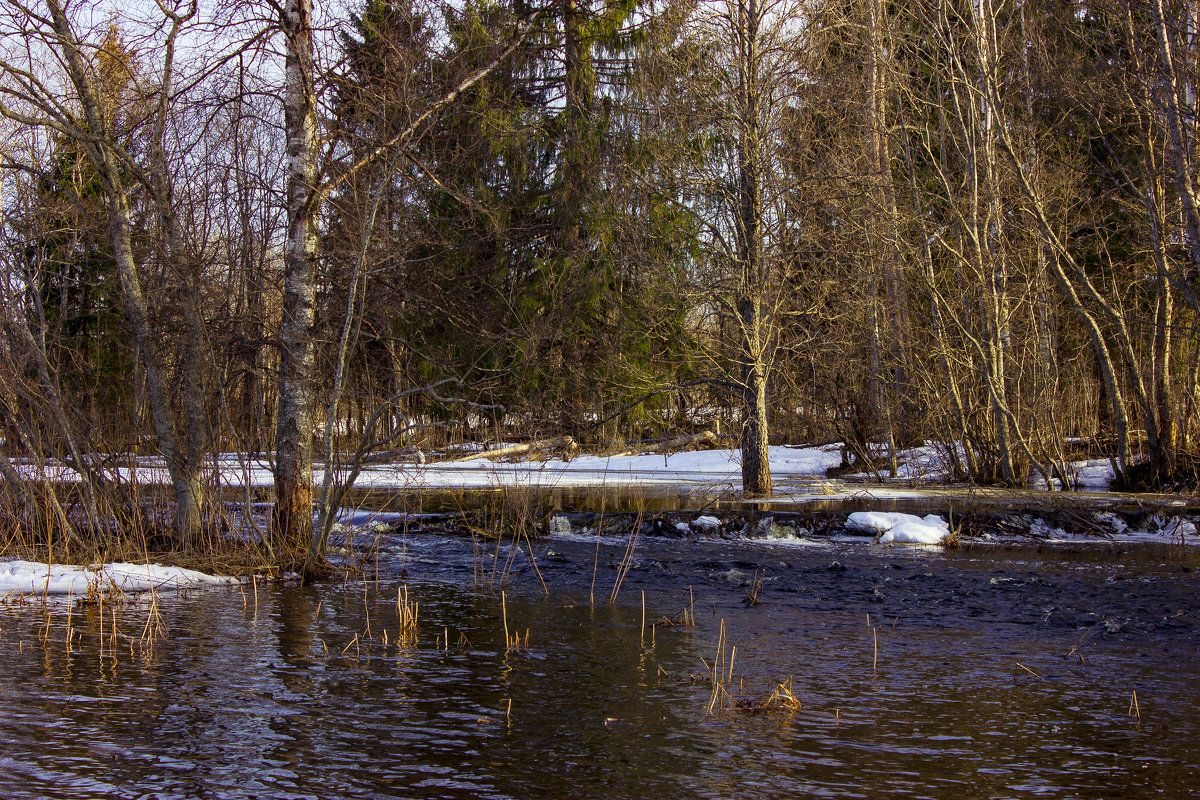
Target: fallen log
(564,443)
(694,441)
(385,456)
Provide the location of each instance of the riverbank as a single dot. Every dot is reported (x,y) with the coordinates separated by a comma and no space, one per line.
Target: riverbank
(796,469)
(654,493)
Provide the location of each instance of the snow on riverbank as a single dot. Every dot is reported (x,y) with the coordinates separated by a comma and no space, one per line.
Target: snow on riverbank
(701,467)
(23,580)
(895,528)
(704,469)
(710,468)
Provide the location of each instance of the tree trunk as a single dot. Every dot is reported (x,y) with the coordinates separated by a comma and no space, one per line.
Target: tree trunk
(1181,150)
(184,476)
(756,466)
(754,333)
(884,234)
(989,242)
(189,486)
(183,473)
(293,520)
(576,64)
(1162,454)
(561,444)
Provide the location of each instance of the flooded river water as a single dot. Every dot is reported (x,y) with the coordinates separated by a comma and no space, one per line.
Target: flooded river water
(986,672)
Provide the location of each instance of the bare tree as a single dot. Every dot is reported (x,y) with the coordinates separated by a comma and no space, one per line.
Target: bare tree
(86,119)
(306,194)
(743,55)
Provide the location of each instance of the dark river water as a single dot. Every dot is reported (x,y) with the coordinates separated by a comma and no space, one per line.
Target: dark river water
(987,672)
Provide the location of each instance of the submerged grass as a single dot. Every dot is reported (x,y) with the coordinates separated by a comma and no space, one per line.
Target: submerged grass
(723,698)
(406,611)
(781,698)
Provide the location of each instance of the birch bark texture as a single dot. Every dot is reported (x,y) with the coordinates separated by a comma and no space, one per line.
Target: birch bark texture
(293,517)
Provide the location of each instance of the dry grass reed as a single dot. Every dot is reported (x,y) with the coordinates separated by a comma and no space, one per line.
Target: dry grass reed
(722,697)
(627,556)
(685,618)
(596,555)
(154,629)
(65,628)
(754,594)
(406,611)
(642,632)
(953,539)
(512,642)
(718,683)
(509,518)
(780,698)
(1027,669)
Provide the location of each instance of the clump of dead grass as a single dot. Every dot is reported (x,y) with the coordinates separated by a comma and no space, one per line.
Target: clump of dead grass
(722,697)
(781,698)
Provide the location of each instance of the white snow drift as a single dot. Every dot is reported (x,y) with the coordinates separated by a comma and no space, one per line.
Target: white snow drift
(896,528)
(26,579)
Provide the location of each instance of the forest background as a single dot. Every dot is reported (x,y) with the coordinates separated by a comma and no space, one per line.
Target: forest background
(325,234)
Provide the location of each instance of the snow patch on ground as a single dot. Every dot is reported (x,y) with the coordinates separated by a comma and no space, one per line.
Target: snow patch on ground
(876,521)
(1043,530)
(915,533)
(23,580)
(926,463)
(1094,474)
(703,469)
(1173,527)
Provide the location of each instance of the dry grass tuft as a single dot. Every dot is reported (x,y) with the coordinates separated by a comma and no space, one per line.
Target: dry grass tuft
(512,642)
(722,699)
(754,594)
(154,629)
(781,698)
(407,611)
(685,619)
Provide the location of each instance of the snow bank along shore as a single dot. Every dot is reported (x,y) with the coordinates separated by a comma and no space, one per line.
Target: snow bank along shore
(29,580)
(719,468)
(895,528)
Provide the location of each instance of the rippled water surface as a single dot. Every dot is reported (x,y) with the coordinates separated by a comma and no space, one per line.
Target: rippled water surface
(981,673)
